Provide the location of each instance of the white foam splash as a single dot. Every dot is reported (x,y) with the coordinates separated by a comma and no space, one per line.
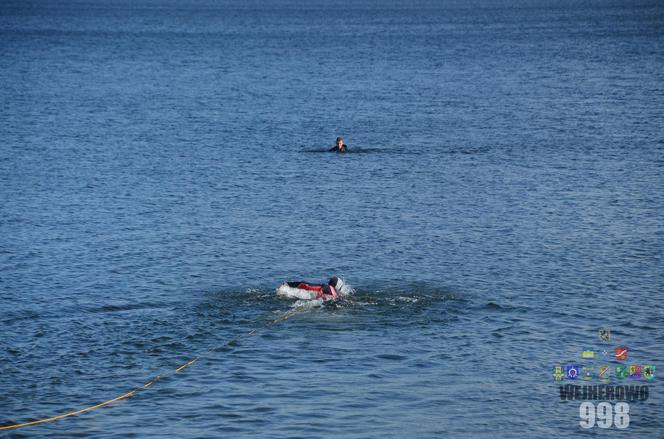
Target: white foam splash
(306,304)
(346,290)
(295,293)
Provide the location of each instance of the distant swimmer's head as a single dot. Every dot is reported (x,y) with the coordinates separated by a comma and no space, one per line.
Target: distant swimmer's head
(341,145)
(336,283)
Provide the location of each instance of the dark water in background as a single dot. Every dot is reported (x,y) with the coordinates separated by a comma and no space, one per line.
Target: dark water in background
(161,171)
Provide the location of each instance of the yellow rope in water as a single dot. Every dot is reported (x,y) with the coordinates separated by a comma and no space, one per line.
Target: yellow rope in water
(131,393)
(66,415)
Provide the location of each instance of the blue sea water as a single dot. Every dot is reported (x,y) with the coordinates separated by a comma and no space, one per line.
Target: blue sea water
(163,169)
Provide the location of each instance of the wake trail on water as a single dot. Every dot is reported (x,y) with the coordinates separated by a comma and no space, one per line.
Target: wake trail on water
(351,298)
(364,308)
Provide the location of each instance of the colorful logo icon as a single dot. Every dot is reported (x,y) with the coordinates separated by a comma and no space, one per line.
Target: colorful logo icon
(621,371)
(621,353)
(588,354)
(648,371)
(605,334)
(558,373)
(587,373)
(604,372)
(572,372)
(635,371)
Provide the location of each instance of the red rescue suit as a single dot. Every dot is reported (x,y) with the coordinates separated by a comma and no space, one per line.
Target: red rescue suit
(322,291)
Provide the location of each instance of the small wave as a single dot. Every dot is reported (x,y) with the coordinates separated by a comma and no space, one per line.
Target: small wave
(391,357)
(17,316)
(126,307)
(390,150)
(493,306)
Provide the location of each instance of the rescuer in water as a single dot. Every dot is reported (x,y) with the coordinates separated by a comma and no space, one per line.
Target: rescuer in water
(309,291)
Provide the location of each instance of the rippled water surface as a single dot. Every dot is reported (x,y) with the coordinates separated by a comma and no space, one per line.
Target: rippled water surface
(163,169)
